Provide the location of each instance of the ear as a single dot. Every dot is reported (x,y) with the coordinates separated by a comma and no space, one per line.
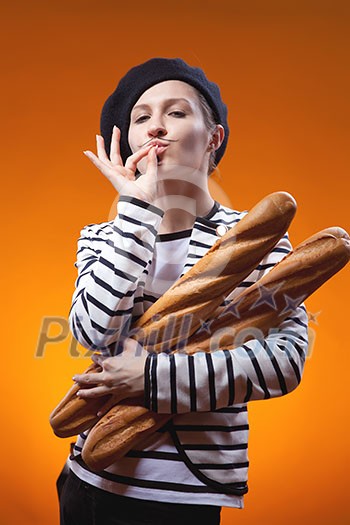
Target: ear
(217,137)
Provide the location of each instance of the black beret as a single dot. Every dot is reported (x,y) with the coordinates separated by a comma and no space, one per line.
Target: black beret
(118,106)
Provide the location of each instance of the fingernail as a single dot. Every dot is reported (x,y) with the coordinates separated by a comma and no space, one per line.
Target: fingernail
(78,393)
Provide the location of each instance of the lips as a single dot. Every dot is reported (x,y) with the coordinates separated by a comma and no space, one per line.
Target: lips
(161,149)
(158,142)
(162,146)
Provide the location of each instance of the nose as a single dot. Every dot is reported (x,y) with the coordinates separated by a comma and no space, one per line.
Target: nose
(156,128)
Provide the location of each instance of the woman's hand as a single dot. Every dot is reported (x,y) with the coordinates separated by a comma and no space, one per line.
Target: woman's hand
(122,375)
(123,177)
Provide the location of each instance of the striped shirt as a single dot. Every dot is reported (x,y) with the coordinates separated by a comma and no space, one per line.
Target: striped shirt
(207,393)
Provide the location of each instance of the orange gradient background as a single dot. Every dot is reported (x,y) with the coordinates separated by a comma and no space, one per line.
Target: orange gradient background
(283,71)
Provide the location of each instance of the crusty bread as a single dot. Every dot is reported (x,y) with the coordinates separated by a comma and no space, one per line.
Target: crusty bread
(194,296)
(73,414)
(266,303)
(203,288)
(290,282)
(128,421)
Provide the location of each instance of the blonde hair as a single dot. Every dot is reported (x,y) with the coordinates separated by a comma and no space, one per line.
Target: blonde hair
(210,123)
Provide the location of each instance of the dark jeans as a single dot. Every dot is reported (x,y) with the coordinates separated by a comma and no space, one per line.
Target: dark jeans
(83,504)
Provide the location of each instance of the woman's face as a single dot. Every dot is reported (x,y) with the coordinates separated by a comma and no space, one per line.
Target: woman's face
(169,114)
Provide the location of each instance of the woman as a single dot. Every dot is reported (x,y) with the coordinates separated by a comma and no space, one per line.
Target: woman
(163,130)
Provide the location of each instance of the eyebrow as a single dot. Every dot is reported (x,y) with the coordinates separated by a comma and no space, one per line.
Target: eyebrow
(167,101)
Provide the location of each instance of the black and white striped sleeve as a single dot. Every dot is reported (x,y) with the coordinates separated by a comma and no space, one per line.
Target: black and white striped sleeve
(258,369)
(110,265)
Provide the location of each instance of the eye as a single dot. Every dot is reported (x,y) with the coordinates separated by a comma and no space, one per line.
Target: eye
(178,114)
(141,119)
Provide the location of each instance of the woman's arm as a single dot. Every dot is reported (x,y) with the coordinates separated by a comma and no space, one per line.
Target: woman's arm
(259,369)
(111,261)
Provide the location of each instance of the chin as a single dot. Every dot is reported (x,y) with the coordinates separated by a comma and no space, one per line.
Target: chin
(166,168)
(186,174)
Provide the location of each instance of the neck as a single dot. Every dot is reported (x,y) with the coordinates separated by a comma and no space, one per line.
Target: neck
(183,202)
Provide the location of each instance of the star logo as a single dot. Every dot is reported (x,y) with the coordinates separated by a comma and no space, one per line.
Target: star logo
(267,296)
(292,304)
(313,317)
(232,308)
(205,325)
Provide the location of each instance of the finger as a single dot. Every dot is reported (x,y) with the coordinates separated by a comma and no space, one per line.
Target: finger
(115,147)
(101,150)
(95,160)
(89,379)
(97,391)
(131,162)
(107,171)
(152,165)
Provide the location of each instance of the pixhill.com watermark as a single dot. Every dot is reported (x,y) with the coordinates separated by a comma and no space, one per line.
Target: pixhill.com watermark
(55,330)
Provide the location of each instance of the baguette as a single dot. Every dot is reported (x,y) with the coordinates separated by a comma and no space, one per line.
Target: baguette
(291,281)
(269,301)
(117,431)
(73,414)
(193,297)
